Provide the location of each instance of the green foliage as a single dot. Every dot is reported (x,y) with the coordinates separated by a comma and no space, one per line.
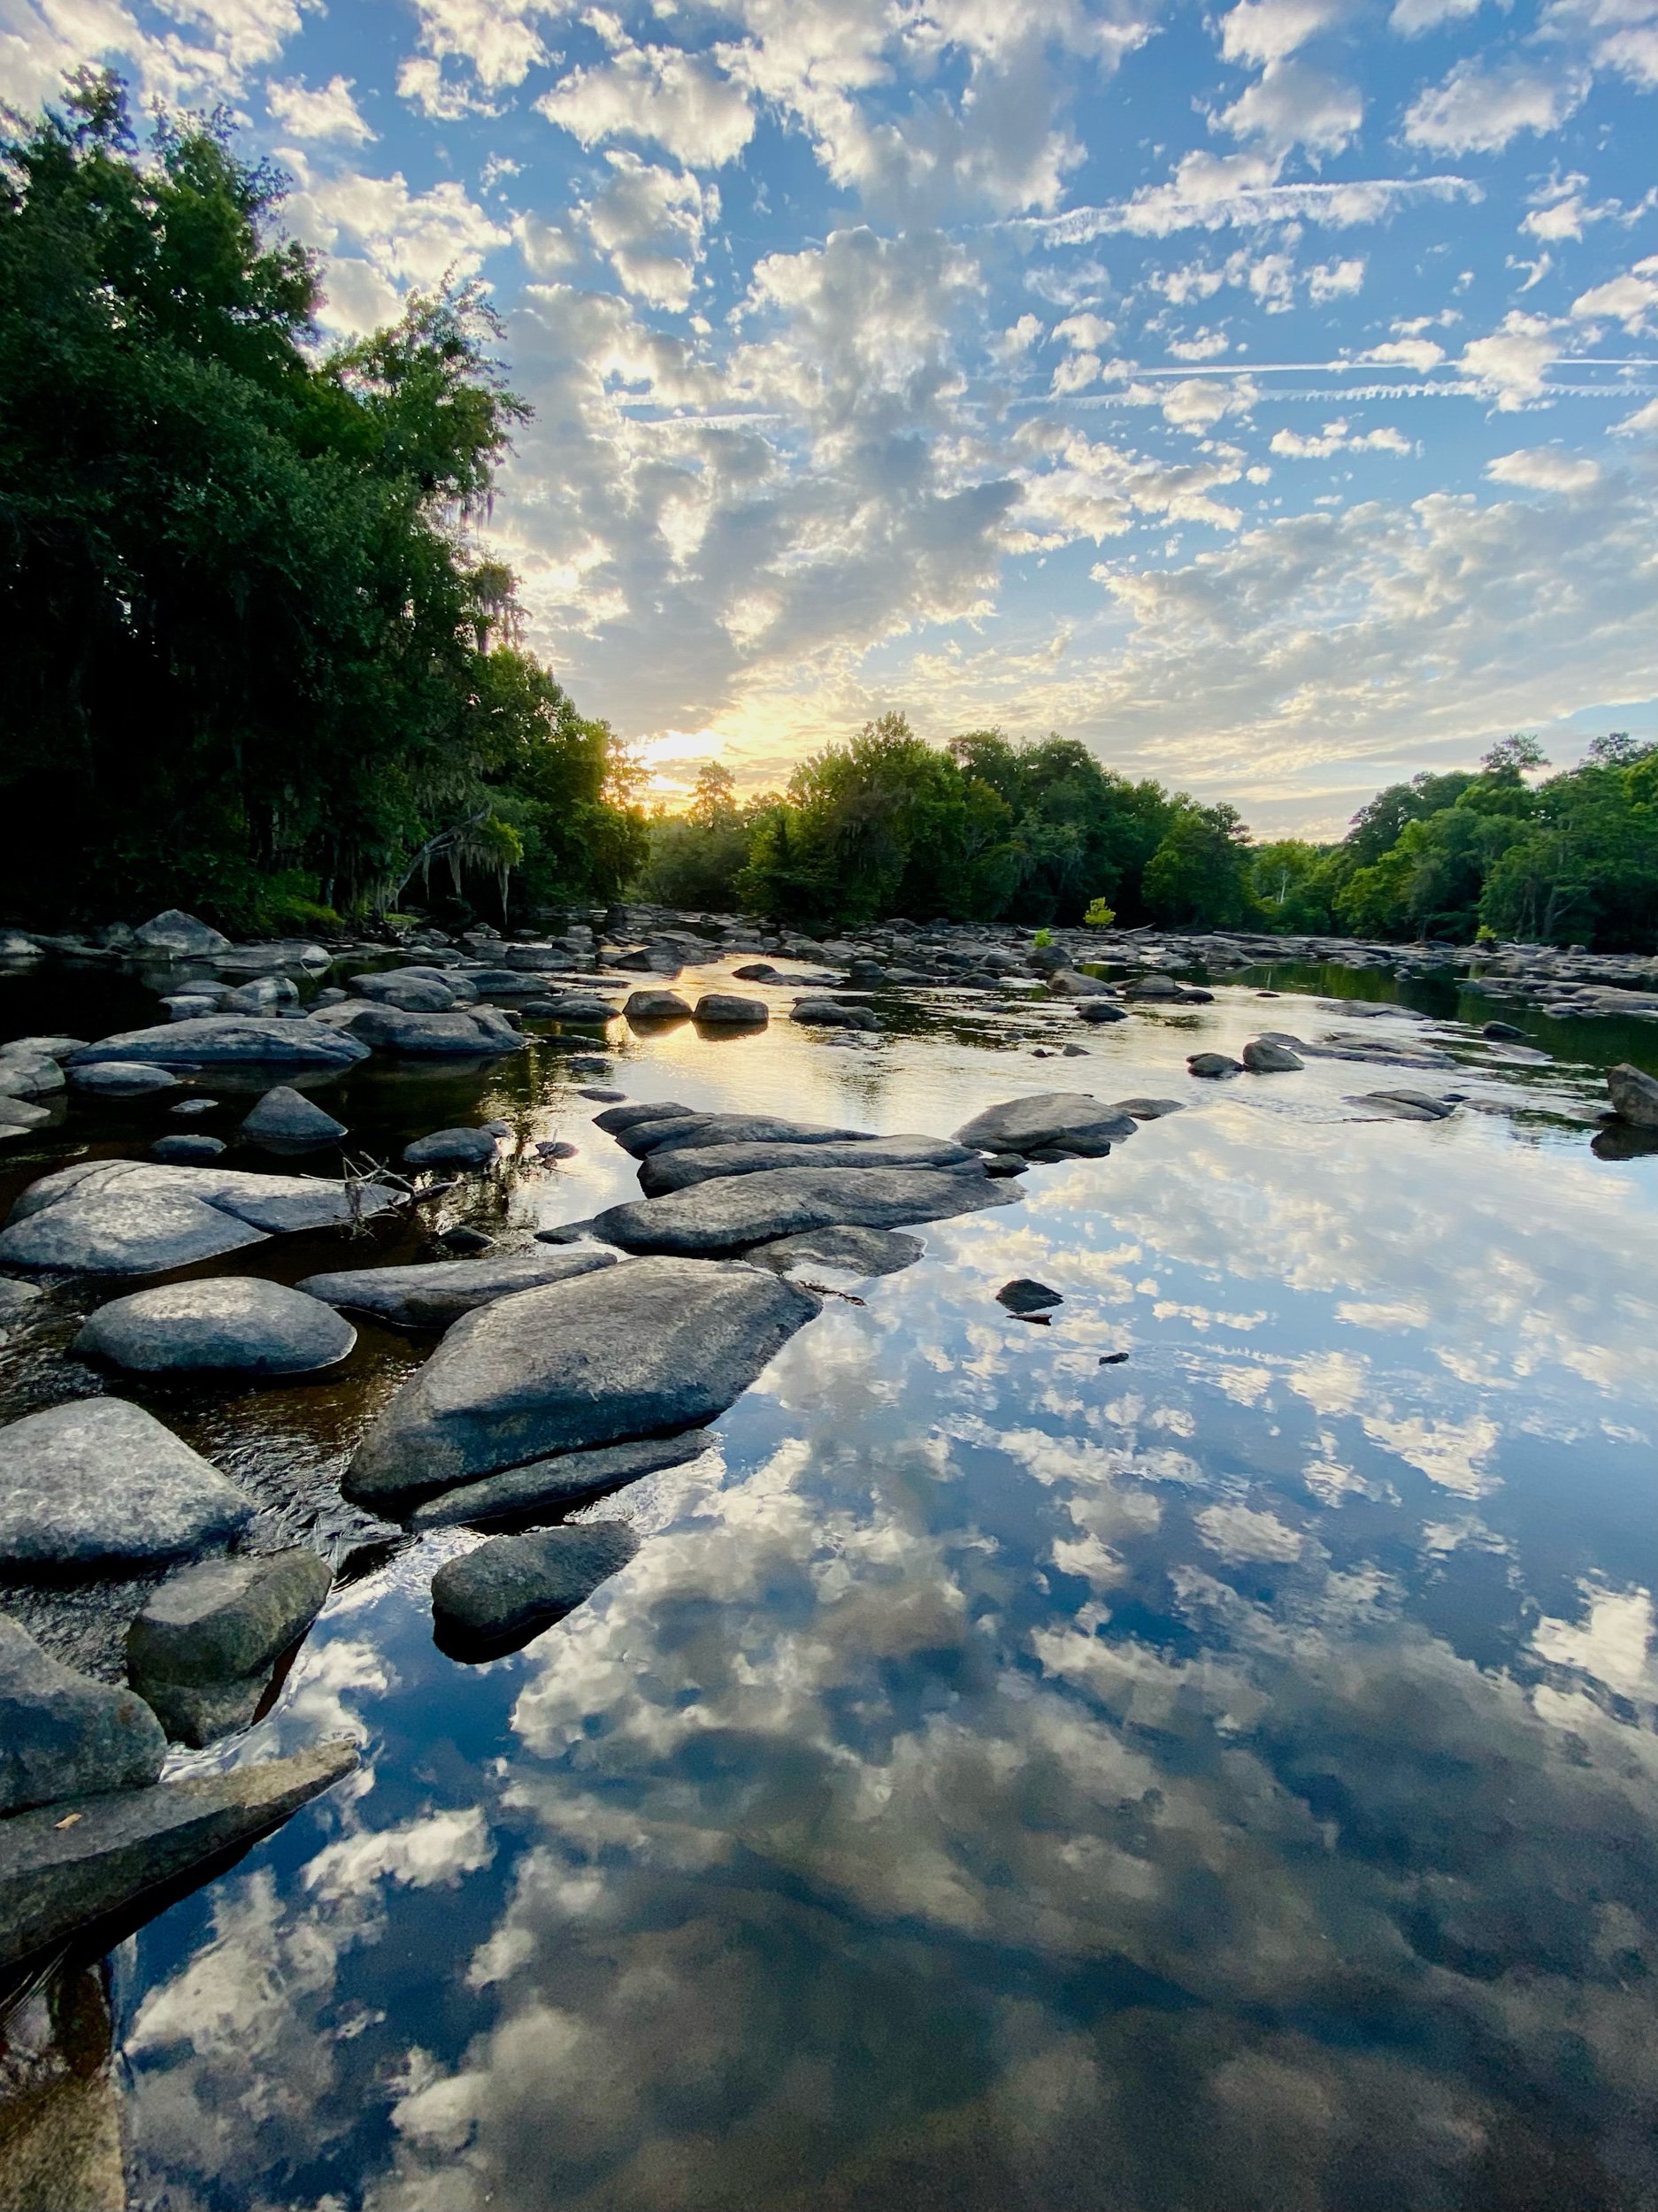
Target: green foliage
(1198,877)
(1042,939)
(1099,916)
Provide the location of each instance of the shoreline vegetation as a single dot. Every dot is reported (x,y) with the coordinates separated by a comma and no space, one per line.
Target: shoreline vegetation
(260,666)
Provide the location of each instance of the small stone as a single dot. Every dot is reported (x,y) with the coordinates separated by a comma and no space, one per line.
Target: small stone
(1025,1297)
(62,1733)
(1263,1056)
(464,1241)
(285,1120)
(452,1148)
(238,1323)
(1150,1108)
(187,1108)
(186,1151)
(1214,1065)
(556,1149)
(512,1583)
(1100,1010)
(121,1079)
(833,1013)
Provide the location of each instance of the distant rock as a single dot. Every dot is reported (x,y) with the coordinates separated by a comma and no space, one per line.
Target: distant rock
(186,1151)
(232,1324)
(62,1733)
(1264,1056)
(1214,1066)
(1101,1010)
(100,1480)
(1071,983)
(220,1039)
(733,1212)
(1068,1121)
(432,1295)
(201,1652)
(285,1120)
(1150,1108)
(179,935)
(833,1013)
(452,1148)
(855,1251)
(513,1584)
(725,1009)
(1153,988)
(755,971)
(552,1486)
(1406,1105)
(584,1008)
(1634,1095)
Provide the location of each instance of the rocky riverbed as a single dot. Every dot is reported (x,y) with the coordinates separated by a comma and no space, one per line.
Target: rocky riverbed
(435,1282)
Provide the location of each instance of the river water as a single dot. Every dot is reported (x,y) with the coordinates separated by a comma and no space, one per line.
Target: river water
(1010,1774)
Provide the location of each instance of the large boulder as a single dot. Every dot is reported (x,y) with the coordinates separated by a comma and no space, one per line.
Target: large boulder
(25,1074)
(406,993)
(1047,1121)
(678,1167)
(235,1323)
(1214,1066)
(468,1033)
(97,1481)
(201,1652)
(641,1349)
(1264,1056)
(59,1875)
(513,1584)
(855,1251)
(728,1010)
(730,1214)
(548,1487)
(62,1733)
(1071,983)
(453,1148)
(285,1120)
(121,1079)
(18,1117)
(655,1006)
(227,1040)
(1634,1095)
(433,1295)
(180,936)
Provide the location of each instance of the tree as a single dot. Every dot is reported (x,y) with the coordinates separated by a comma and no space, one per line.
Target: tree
(1196,879)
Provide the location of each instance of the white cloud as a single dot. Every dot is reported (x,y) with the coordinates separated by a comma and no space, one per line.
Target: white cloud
(1335,280)
(1270,30)
(679,101)
(1544,468)
(1630,299)
(437,1849)
(1292,104)
(402,239)
(330,112)
(650,222)
(1244,1537)
(1510,363)
(209,55)
(1407,353)
(1478,111)
(1642,424)
(1215,191)
(1197,402)
(1337,437)
(1410,19)
(468,50)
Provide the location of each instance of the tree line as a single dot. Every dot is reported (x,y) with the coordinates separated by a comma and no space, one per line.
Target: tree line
(257,662)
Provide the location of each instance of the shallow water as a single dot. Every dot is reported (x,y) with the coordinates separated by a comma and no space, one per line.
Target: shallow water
(1224,1778)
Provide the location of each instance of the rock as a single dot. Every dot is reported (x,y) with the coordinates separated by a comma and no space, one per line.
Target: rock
(685,1131)
(1263,1056)
(179,935)
(601,1092)
(583,1008)
(1101,1010)
(473,1032)
(452,1148)
(1406,1105)
(63,1734)
(129,1218)
(1213,1065)
(555,1149)
(235,1324)
(18,1117)
(26,1074)
(548,1487)
(1071,983)
(1000,1165)
(406,993)
(645,1349)
(679,1167)
(655,1006)
(219,1039)
(732,1212)
(1502,1030)
(1153,988)
(634,1113)
(433,1296)
(1068,1120)
(121,1079)
(833,1013)
(1634,1095)
(187,1108)
(755,971)
(16,1298)
(100,1480)
(1150,1108)
(285,1120)
(464,1243)
(15,945)
(1025,1297)
(515,1583)
(189,1006)
(56,1877)
(725,1009)
(186,1151)
(855,1251)
(264,993)
(201,1652)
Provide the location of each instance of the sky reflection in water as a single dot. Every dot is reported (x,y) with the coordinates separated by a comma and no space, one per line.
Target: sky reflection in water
(1225,1778)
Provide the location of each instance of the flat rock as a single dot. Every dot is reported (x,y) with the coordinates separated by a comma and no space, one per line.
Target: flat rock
(452,1148)
(216,1039)
(655,1006)
(856,1251)
(1150,1108)
(633,1113)
(20,1115)
(685,1131)
(646,1348)
(833,1013)
(432,1295)
(58,1877)
(100,1480)
(1634,1095)
(121,1079)
(1406,1105)
(755,971)
(581,1007)
(1264,1056)
(551,1486)
(1072,1121)
(468,1033)
(133,1218)
(62,1733)
(728,1009)
(1214,1065)
(235,1324)
(1101,1010)
(679,1167)
(733,1212)
(181,1150)
(515,1583)
(286,1120)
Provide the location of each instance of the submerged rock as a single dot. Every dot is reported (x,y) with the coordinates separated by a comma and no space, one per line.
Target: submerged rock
(286,1120)
(100,1480)
(1634,1095)
(1407,1105)
(551,1486)
(733,1212)
(215,1039)
(1150,1108)
(57,1875)
(1067,1121)
(856,1251)
(201,1652)
(1214,1065)
(239,1323)
(680,1167)
(1024,1296)
(452,1148)
(62,1733)
(185,1151)
(433,1296)
(833,1013)
(512,1583)
(643,1349)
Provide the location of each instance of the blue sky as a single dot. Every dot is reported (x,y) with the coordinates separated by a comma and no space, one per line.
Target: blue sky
(1266,394)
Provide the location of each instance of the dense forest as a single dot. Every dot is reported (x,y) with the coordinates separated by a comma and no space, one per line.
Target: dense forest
(257,663)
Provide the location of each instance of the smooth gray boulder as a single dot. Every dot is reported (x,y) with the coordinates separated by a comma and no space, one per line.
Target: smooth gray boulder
(1150,1108)
(261,996)
(181,1150)
(679,1167)
(728,1010)
(235,1323)
(121,1079)
(221,1040)
(1101,1010)
(1071,983)
(58,1875)
(1634,1095)
(733,1212)
(28,1074)
(406,993)
(18,1117)
(1264,1056)
(634,1112)
(582,1007)
(452,1148)
(1406,1105)
(515,1583)
(683,1131)
(201,1651)
(179,935)
(655,1006)
(134,1217)
(468,1033)
(1214,1066)
(551,1486)
(62,1733)
(285,1120)
(100,1480)
(1045,1121)
(856,1251)
(433,1295)
(833,1013)
(645,1349)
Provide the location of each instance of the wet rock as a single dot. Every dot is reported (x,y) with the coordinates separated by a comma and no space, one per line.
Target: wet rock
(655,1006)
(1502,1030)
(56,1877)
(1101,1010)
(286,1120)
(725,1009)
(1153,988)
(179,935)
(1406,1105)
(600,1092)
(221,1040)
(1025,1297)
(833,1013)
(235,1324)
(100,1480)
(26,1073)
(201,1651)
(433,1296)
(733,1212)
(1071,983)
(407,993)
(473,1032)
(515,1582)
(555,1149)
(1000,1165)
(62,1733)
(463,1242)
(1264,1056)
(1069,1120)
(187,1108)
(547,1487)
(1214,1066)
(185,1151)
(633,1114)
(452,1148)
(685,1131)
(644,1349)
(18,1117)
(585,1008)
(680,1167)
(755,971)
(1634,1095)
(856,1251)
(121,1079)
(1150,1108)
(17,1298)
(263,996)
